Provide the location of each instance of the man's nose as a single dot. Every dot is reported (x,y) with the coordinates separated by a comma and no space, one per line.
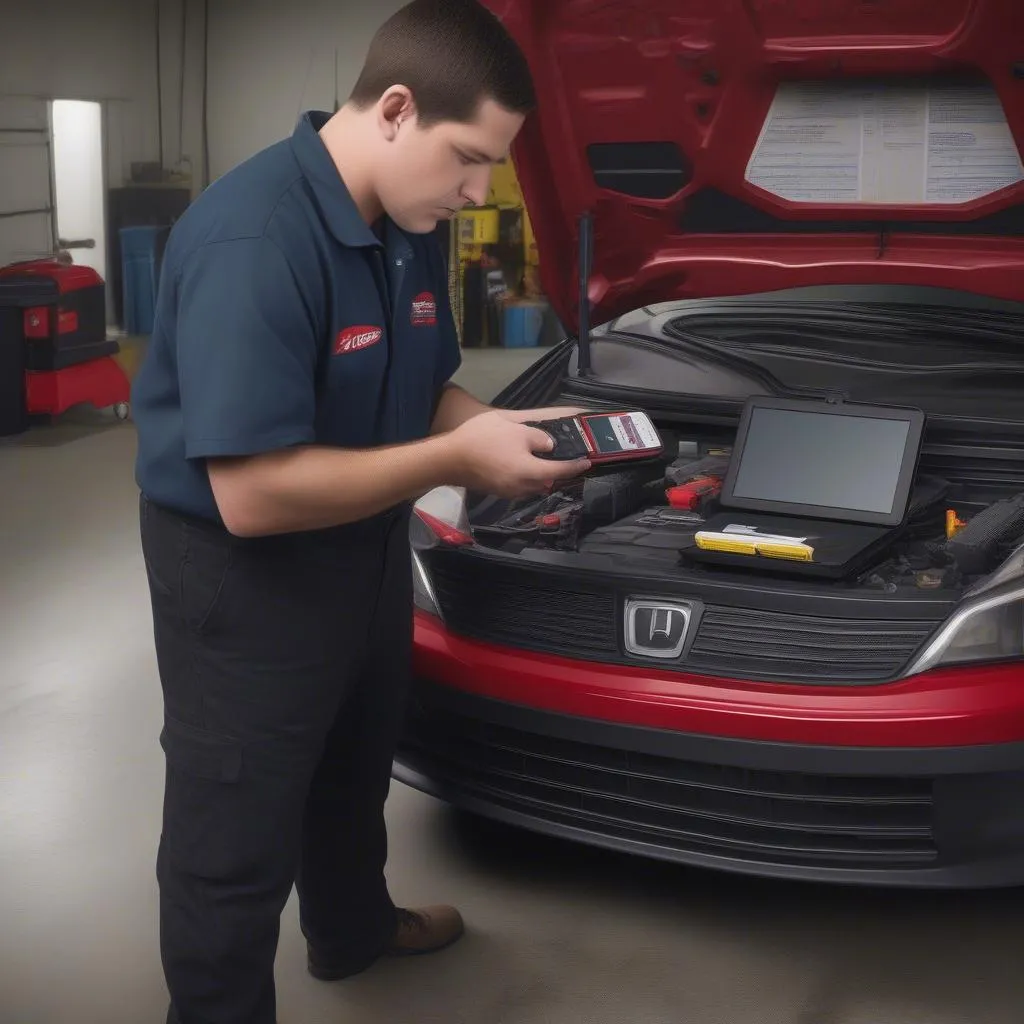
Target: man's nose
(478,185)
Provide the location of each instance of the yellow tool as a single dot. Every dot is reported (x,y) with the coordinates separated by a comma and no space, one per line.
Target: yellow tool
(766,547)
(792,552)
(727,543)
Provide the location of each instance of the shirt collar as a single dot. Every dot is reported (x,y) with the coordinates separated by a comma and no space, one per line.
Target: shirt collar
(332,196)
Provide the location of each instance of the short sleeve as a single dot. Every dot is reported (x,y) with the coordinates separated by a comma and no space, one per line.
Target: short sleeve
(450,354)
(247,351)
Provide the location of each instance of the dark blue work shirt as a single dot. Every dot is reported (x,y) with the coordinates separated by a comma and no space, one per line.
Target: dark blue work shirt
(282,319)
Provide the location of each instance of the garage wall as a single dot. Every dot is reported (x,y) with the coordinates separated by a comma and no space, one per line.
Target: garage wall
(270,60)
(104,50)
(267,62)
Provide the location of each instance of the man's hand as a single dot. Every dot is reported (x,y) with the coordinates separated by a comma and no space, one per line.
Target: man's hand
(311,488)
(496,455)
(457,406)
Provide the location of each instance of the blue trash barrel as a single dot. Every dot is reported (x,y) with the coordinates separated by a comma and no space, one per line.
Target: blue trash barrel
(523,321)
(139,277)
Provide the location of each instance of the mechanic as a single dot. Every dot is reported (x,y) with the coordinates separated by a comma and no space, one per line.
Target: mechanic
(294,401)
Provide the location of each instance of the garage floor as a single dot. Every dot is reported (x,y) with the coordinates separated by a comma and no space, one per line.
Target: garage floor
(558,935)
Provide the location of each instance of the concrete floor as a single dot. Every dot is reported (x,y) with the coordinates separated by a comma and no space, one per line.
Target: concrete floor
(558,934)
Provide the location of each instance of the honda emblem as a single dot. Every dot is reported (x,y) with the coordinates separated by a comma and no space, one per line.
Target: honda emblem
(657,629)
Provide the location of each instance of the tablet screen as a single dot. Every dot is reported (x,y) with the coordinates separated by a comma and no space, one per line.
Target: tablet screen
(841,462)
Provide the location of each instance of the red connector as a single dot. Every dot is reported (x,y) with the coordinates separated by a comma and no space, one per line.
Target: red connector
(690,495)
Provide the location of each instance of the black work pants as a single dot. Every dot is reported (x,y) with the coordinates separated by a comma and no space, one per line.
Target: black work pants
(284,664)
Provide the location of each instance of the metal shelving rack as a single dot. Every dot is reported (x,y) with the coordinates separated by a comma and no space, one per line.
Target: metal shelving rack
(50,210)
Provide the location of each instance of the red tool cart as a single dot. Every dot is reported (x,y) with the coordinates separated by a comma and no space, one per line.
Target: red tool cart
(67,356)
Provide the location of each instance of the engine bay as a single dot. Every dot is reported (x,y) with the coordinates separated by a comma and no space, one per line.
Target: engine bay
(646,519)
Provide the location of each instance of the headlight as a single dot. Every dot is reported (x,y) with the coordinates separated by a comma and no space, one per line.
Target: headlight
(421,539)
(989,627)
(423,594)
(440,518)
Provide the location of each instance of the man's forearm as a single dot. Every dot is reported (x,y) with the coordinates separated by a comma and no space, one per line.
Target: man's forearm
(314,488)
(455,406)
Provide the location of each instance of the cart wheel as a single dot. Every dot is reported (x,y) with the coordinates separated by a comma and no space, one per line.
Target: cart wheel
(122,410)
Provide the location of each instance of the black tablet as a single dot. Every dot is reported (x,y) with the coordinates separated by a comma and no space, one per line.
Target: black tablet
(823,460)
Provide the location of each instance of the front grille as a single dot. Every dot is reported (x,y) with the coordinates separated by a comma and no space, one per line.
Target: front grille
(530,608)
(678,805)
(531,613)
(803,646)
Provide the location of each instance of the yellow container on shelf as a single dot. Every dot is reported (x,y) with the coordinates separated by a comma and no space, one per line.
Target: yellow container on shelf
(478,226)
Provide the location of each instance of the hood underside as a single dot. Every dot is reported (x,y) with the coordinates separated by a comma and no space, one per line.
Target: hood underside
(731,146)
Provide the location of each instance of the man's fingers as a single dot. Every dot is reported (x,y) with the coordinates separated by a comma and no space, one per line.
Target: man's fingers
(568,470)
(540,440)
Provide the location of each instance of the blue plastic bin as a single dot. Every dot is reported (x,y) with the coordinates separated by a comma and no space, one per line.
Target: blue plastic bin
(139,275)
(523,322)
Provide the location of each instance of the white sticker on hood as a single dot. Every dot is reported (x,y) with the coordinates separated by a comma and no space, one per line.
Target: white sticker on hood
(884,142)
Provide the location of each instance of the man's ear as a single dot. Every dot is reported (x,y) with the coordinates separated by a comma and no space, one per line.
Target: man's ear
(395,107)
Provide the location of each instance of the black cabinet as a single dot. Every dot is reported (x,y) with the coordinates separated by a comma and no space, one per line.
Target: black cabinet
(16,295)
(138,206)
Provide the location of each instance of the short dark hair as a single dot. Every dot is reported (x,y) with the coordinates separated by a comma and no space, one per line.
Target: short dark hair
(452,55)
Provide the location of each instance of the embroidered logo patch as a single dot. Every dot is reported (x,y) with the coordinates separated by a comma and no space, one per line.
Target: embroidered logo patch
(352,339)
(424,310)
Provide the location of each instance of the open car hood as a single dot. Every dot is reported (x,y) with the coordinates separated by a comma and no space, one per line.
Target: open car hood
(729,146)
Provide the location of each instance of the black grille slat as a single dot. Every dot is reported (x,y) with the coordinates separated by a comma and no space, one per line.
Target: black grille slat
(865,649)
(539,610)
(786,816)
(837,855)
(736,626)
(503,612)
(579,773)
(780,785)
(728,807)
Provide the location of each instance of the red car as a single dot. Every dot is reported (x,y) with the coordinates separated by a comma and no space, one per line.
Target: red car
(803,200)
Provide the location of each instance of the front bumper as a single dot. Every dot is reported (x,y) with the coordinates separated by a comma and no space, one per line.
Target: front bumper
(875,813)
(914,818)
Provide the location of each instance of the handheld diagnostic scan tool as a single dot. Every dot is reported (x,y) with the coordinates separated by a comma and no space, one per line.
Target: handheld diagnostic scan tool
(605,439)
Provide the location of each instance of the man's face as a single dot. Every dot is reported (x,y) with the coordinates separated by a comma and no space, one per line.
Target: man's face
(429,174)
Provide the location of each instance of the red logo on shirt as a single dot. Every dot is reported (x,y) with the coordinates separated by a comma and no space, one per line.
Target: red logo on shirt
(424,310)
(352,339)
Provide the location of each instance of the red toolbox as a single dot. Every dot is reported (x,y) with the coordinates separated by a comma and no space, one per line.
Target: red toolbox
(54,331)
(69,326)
(99,382)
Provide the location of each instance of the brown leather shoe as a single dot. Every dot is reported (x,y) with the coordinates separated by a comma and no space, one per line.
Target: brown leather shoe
(418,931)
(426,930)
